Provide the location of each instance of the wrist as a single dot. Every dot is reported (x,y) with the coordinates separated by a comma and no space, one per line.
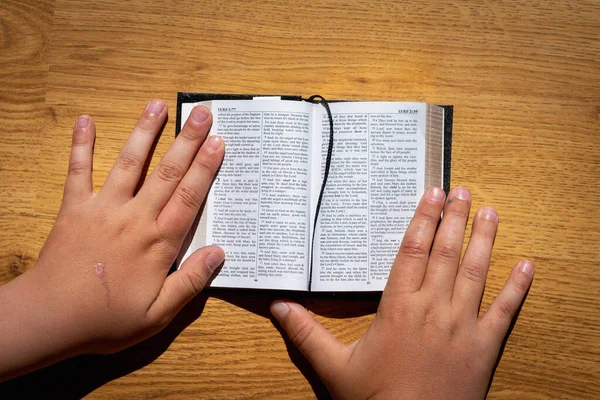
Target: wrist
(34,331)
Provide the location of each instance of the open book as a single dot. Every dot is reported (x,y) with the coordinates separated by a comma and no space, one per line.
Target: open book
(262,206)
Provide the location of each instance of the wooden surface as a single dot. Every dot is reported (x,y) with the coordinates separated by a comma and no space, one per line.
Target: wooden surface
(524,78)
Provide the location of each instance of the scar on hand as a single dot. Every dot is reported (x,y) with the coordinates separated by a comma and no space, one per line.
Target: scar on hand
(99,269)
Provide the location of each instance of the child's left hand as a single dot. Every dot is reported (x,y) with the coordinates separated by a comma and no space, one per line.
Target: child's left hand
(101,281)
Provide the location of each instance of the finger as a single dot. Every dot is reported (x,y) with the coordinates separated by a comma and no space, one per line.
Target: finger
(165,178)
(320,348)
(125,173)
(498,318)
(409,266)
(470,280)
(178,215)
(78,186)
(184,284)
(445,253)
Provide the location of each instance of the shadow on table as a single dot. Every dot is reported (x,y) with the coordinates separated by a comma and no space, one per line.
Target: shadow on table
(78,376)
(330,305)
(505,341)
(345,305)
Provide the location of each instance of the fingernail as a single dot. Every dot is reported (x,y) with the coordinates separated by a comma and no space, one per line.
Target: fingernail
(214,143)
(214,259)
(436,194)
(199,114)
(462,193)
(82,121)
(526,267)
(155,107)
(280,309)
(488,213)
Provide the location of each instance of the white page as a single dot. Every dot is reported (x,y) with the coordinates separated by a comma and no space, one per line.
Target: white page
(258,209)
(375,181)
(317,164)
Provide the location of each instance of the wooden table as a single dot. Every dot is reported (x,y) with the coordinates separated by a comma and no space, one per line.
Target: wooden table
(524,78)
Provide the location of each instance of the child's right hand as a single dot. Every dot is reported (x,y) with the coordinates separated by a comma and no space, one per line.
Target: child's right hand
(426,341)
(100,283)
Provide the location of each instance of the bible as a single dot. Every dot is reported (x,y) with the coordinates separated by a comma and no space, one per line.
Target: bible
(315,195)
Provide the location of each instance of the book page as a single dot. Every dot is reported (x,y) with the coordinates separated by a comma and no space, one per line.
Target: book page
(376,178)
(258,207)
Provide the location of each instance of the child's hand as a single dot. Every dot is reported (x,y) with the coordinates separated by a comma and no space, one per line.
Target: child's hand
(425,341)
(101,283)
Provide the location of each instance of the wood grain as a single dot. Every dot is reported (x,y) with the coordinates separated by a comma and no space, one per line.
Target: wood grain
(524,79)
(24,38)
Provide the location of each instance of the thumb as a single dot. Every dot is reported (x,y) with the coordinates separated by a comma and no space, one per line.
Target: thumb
(184,284)
(320,347)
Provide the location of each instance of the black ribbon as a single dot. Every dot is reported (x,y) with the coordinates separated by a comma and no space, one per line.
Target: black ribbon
(321,100)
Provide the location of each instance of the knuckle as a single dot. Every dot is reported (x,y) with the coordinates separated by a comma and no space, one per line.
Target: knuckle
(413,247)
(488,232)
(300,332)
(395,311)
(447,251)
(473,272)
(78,167)
(425,218)
(519,286)
(430,315)
(189,197)
(488,324)
(437,324)
(460,210)
(165,248)
(204,166)
(127,162)
(164,243)
(195,282)
(147,124)
(79,139)
(145,127)
(189,135)
(168,171)
(159,323)
(504,309)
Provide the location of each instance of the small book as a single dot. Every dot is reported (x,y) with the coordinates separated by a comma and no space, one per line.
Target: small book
(299,206)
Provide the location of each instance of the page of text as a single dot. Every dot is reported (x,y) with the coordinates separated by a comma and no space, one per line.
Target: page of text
(258,208)
(375,181)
